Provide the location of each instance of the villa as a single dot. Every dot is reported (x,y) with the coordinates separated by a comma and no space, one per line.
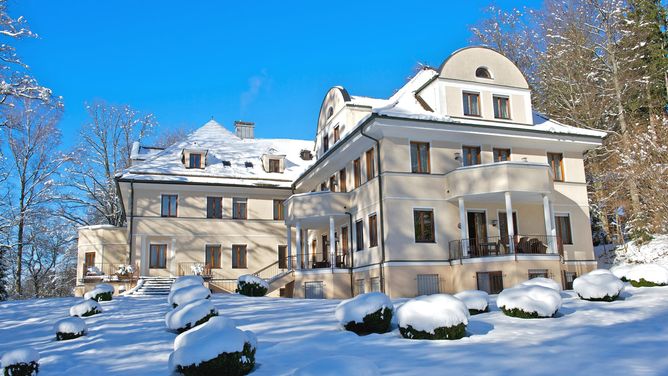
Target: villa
(452,183)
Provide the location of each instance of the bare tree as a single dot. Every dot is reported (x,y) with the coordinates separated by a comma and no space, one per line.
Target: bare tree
(169,137)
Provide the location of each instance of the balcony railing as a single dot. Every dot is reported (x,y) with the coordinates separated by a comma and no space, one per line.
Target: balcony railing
(319,261)
(500,246)
(195,268)
(109,272)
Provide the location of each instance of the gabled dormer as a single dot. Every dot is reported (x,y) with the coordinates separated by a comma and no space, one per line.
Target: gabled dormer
(194,158)
(273,162)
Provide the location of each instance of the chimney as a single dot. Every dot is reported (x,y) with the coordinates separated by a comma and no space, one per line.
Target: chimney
(244,129)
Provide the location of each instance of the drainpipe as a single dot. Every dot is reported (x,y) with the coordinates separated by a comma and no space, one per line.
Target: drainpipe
(132,215)
(380,199)
(352,258)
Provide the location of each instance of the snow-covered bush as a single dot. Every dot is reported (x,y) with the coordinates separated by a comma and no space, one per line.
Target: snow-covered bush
(339,365)
(190,315)
(93,270)
(438,316)
(185,281)
(476,301)
(366,313)
(529,301)
(88,307)
(214,348)
(251,285)
(620,271)
(647,275)
(125,270)
(20,362)
(598,285)
(545,282)
(197,269)
(70,328)
(188,294)
(102,292)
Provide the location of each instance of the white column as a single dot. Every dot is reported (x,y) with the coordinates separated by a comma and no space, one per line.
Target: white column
(548,223)
(332,242)
(463,231)
(289,247)
(172,258)
(509,221)
(144,256)
(299,245)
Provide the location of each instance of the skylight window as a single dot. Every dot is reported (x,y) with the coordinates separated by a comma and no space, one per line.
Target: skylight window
(227,164)
(249,164)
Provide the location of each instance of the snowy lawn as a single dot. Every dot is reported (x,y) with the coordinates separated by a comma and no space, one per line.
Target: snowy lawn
(129,337)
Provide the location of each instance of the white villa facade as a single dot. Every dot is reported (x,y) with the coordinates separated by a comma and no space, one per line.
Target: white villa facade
(407,195)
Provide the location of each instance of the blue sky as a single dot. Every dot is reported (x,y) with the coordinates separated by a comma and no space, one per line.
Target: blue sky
(267,62)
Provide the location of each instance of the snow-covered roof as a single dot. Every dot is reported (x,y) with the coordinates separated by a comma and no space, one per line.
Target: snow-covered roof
(221,145)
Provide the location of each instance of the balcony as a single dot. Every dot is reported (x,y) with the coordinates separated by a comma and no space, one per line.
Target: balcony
(501,246)
(315,206)
(486,179)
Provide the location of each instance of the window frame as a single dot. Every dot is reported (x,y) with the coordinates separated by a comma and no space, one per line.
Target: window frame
(373,230)
(495,154)
(279,209)
(357,172)
(569,227)
(418,168)
(212,210)
(236,253)
(325,143)
(342,180)
(161,250)
(466,100)
(168,213)
(369,158)
(274,165)
(487,74)
(419,225)
(332,183)
(496,104)
(217,251)
(198,159)
(238,202)
(560,169)
(282,251)
(466,151)
(336,133)
(359,235)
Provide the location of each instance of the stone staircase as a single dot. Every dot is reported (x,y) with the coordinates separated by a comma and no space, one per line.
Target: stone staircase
(154,286)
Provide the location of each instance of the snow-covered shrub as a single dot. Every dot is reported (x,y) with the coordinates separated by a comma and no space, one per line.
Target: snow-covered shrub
(197,269)
(545,282)
(214,348)
(366,313)
(188,294)
(620,271)
(251,285)
(88,307)
(20,362)
(190,315)
(185,281)
(529,301)
(102,292)
(125,270)
(598,285)
(437,316)
(93,270)
(339,365)
(70,328)
(648,275)
(476,301)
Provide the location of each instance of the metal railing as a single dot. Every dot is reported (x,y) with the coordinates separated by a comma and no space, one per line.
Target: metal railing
(318,261)
(109,272)
(500,245)
(195,268)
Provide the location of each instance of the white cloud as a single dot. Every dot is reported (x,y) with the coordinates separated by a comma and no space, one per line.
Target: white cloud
(256,84)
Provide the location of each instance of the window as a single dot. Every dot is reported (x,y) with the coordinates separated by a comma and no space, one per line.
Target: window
(370,167)
(375,284)
(563,224)
(305,155)
(195,160)
(212,256)
(501,107)
(332,183)
(569,277)
(214,207)
(491,282)
(420,157)
(158,256)
(325,143)
(278,210)
(330,112)
(482,72)
(471,104)
(471,155)
(373,230)
(314,290)
(239,256)
(323,187)
(538,273)
(342,181)
(274,165)
(428,284)
(424,226)
(282,256)
(169,205)
(239,208)
(337,134)
(357,173)
(344,240)
(89,259)
(359,286)
(556,162)
(501,155)
(359,235)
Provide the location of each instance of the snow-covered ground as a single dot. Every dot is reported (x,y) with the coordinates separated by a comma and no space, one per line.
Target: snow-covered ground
(129,338)
(654,251)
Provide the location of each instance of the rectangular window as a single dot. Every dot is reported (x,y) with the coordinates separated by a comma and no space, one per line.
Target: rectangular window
(373,230)
(89,259)
(332,183)
(359,235)
(323,187)
(239,208)
(239,256)
(342,181)
(214,207)
(471,155)
(274,165)
(169,205)
(424,226)
(158,256)
(344,240)
(501,107)
(501,155)
(279,209)
(420,157)
(195,160)
(471,104)
(325,143)
(428,284)
(282,256)
(563,224)
(357,173)
(556,162)
(569,277)
(370,166)
(337,134)
(314,290)
(359,287)
(491,282)
(538,273)
(213,253)
(375,284)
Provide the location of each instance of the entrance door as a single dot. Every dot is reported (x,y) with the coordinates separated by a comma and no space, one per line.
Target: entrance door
(325,254)
(503,229)
(477,225)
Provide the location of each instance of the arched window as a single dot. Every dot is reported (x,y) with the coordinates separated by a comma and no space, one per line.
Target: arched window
(330,112)
(482,72)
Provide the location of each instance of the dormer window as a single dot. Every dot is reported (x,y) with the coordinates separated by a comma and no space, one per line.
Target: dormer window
(248,164)
(195,160)
(227,164)
(483,72)
(306,155)
(274,165)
